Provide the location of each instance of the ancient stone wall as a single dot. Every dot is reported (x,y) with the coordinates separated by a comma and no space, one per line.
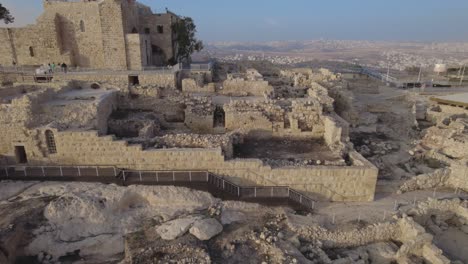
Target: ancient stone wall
(160,79)
(192,86)
(7,52)
(87,148)
(241,87)
(138,51)
(199,114)
(336,129)
(224,141)
(199,123)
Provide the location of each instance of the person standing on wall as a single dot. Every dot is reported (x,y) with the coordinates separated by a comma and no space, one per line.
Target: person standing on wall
(53,66)
(64,67)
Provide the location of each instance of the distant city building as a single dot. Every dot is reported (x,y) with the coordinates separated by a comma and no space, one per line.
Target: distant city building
(104,34)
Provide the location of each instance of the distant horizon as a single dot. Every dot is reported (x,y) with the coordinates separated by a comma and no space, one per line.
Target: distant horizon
(242,21)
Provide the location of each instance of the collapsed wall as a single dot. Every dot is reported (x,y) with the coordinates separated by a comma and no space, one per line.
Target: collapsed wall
(250,83)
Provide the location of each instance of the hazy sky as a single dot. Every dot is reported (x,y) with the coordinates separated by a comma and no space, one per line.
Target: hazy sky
(265,20)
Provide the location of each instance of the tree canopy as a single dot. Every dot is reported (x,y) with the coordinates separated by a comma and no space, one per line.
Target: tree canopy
(5,15)
(187,43)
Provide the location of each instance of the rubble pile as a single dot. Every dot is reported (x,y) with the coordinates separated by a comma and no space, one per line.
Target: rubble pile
(200,105)
(268,107)
(224,141)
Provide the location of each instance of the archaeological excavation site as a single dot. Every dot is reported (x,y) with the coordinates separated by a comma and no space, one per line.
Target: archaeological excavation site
(117,147)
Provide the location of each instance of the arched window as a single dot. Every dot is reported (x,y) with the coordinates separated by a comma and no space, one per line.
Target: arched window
(50,139)
(82,26)
(31,51)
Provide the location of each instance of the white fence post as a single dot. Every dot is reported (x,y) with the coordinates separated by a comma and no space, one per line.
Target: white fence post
(141,179)
(157,177)
(97,171)
(255,191)
(61,171)
(123,174)
(6,171)
(173,176)
(207,178)
(43,173)
(25,173)
(115,172)
(238,191)
(190,176)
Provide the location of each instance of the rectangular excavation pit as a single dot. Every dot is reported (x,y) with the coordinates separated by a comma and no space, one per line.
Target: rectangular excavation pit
(298,151)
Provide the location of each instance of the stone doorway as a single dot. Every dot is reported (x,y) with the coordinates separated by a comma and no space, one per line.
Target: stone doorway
(133,80)
(219,118)
(20,153)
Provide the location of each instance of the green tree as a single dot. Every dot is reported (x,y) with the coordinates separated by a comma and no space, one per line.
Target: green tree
(5,15)
(187,43)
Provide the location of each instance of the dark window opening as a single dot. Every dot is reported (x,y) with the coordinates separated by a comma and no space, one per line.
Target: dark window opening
(31,51)
(82,26)
(147,31)
(50,139)
(20,153)
(134,31)
(219,119)
(160,29)
(133,80)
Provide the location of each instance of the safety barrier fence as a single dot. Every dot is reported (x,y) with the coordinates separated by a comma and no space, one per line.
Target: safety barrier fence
(189,178)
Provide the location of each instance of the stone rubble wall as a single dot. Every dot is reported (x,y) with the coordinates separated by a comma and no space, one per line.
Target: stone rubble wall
(160,79)
(459,176)
(241,87)
(307,113)
(322,95)
(199,123)
(305,117)
(414,239)
(303,77)
(192,86)
(20,111)
(435,179)
(224,141)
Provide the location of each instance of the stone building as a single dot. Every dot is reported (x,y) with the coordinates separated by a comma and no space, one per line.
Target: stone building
(101,34)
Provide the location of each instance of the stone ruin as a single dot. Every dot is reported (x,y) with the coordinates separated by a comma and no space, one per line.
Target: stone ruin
(161,124)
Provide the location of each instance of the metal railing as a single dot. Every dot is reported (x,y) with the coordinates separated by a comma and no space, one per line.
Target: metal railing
(59,171)
(159,177)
